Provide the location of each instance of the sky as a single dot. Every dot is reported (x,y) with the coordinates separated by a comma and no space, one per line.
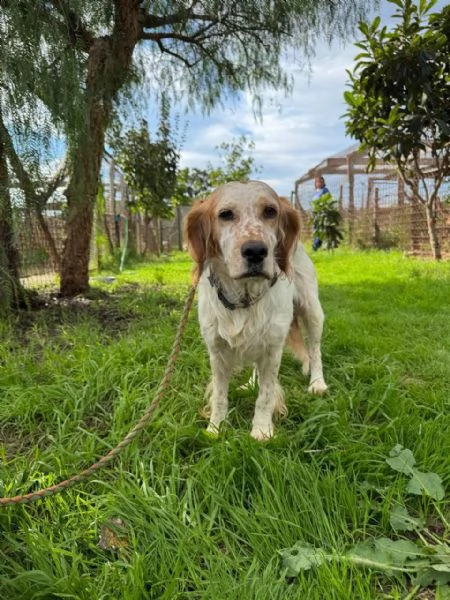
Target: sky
(297,132)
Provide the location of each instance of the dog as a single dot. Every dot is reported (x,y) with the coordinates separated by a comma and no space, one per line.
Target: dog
(257,289)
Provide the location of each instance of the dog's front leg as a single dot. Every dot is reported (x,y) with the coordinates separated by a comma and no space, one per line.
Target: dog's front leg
(221,368)
(313,319)
(270,397)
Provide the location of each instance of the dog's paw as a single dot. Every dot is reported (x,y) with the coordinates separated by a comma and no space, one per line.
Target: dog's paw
(262,433)
(318,387)
(210,435)
(212,430)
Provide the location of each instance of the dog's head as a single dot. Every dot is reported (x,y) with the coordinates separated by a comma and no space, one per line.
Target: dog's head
(245,228)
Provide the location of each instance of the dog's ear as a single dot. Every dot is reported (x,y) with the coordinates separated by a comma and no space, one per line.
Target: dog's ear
(198,231)
(288,234)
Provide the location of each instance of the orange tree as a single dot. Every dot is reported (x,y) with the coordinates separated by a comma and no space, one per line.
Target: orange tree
(398,104)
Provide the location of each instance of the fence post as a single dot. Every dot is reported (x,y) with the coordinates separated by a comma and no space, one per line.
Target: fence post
(376,227)
(415,227)
(112,187)
(401,191)
(351,198)
(341,198)
(179,230)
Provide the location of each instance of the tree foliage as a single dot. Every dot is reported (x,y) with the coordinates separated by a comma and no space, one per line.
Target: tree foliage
(191,183)
(398,103)
(31,118)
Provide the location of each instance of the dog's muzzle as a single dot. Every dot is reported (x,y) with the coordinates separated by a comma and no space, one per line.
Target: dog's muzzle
(254,252)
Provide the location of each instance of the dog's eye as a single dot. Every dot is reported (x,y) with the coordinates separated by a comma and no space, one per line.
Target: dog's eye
(226,215)
(270,212)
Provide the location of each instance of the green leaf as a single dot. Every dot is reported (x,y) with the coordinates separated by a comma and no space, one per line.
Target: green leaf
(349,98)
(401,520)
(429,484)
(443,552)
(430,565)
(385,554)
(426,6)
(399,551)
(364,28)
(441,567)
(443,592)
(375,24)
(364,554)
(401,460)
(302,558)
(429,576)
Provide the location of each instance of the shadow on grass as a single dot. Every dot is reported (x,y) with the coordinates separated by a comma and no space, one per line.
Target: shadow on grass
(111,312)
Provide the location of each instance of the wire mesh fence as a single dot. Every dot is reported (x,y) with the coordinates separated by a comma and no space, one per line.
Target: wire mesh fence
(40,242)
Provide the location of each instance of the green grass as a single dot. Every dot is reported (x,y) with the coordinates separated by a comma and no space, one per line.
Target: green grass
(202,518)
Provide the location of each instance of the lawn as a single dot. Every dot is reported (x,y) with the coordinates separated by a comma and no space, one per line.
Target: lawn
(315,513)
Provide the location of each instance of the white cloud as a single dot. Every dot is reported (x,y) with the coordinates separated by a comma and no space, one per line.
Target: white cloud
(296,132)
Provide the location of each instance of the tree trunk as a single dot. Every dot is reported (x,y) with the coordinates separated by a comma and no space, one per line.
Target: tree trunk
(81,194)
(432,231)
(12,293)
(108,66)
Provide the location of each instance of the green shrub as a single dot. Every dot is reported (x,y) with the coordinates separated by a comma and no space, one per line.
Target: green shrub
(326,220)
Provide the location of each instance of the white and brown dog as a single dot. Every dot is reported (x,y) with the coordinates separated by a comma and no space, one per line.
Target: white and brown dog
(257,286)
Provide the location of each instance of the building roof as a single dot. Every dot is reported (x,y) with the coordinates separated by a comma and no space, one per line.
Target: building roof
(339,164)
(352,160)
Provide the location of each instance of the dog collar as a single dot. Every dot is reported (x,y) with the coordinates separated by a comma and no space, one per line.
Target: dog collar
(245,302)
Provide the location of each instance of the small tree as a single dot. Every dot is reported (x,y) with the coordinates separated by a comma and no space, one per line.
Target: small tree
(237,164)
(326,220)
(398,105)
(150,168)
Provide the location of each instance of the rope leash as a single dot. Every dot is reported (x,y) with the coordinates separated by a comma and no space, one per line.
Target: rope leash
(131,435)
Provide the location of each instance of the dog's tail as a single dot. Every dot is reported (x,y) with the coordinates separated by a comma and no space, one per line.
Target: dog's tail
(297,345)
(280,405)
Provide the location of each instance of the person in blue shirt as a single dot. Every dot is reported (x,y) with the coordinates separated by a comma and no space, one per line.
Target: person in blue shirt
(321,188)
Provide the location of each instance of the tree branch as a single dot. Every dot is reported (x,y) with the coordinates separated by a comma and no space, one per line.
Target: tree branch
(32,199)
(184,60)
(77,32)
(52,185)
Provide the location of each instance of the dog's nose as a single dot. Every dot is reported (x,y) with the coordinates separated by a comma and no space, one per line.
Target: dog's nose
(254,251)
